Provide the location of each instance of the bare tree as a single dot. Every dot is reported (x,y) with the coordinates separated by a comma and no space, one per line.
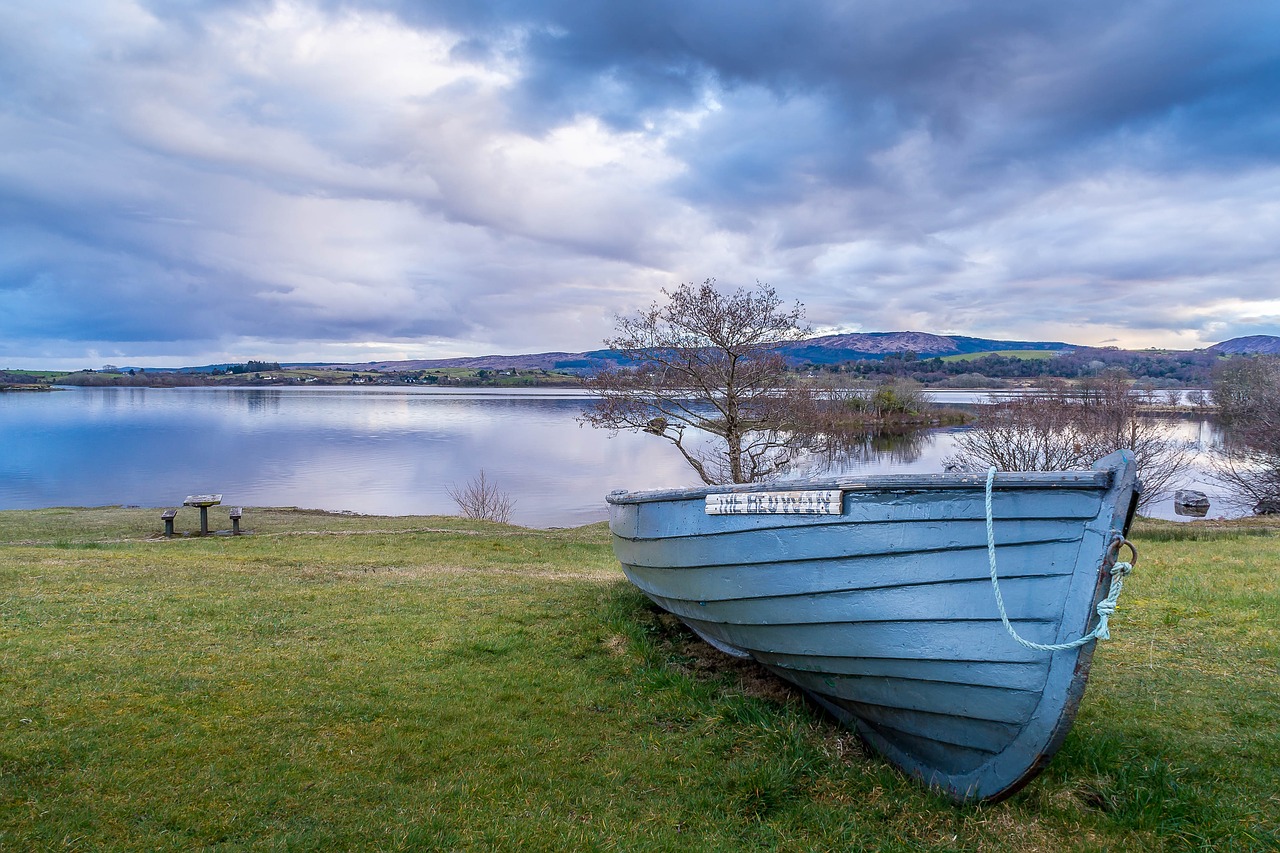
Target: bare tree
(481,499)
(1112,421)
(704,363)
(1251,472)
(1064,427)
(1038,432)
(1247,387)
(1198,398)
(1247,392)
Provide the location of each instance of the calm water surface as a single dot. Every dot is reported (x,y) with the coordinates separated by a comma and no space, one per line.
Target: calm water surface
(387,451)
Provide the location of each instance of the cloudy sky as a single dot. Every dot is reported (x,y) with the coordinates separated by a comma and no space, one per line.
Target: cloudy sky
(186,182)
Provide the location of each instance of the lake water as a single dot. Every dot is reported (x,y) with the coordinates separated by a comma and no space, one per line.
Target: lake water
(386,451)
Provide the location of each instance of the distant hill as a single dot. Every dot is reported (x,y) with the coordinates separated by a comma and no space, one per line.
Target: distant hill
(1267,344)
(833,349)
(533,361)
(829,349)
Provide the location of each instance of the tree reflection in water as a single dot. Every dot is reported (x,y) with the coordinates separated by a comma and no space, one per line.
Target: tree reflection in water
(833,452)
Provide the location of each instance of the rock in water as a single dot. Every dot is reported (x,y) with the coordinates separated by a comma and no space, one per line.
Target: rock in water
(1190,502)
(1190,497)
(1267,506)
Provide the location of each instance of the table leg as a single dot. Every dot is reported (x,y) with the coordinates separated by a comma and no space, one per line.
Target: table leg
(204,521)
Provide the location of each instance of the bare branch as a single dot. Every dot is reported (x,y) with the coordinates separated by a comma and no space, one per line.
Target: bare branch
(481,499)
(706,360)
(1247,391)
(1066,427)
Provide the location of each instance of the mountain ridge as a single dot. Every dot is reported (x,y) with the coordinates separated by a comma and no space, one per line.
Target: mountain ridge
(1249,345)
(825,349)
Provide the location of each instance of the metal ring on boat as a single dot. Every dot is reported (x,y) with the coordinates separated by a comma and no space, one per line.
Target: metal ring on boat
(1113,551)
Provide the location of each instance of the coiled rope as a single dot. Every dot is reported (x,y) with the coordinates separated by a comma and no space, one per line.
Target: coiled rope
(1106,607)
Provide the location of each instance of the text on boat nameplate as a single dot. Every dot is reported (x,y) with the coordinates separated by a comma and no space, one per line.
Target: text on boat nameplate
(814,502)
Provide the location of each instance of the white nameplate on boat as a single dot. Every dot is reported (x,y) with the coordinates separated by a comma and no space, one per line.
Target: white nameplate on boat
(817,502)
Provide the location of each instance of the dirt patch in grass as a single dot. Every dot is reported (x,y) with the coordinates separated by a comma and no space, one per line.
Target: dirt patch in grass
(563,575)
(701,659)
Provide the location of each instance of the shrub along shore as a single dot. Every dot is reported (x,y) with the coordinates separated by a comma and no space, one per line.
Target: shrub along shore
(337,681)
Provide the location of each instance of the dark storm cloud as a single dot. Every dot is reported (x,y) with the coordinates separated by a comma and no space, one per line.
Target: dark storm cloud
(1058,75)
(994,103)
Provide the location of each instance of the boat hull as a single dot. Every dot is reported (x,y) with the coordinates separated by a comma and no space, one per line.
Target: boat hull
(883,609)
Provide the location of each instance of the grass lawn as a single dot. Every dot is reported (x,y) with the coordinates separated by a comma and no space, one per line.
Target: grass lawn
(348,682)
(1024,354)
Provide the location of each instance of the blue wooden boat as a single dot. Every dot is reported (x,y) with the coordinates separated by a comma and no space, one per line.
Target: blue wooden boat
(876,597)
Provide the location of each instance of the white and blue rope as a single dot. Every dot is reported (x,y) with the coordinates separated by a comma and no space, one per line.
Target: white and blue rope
(1106,607)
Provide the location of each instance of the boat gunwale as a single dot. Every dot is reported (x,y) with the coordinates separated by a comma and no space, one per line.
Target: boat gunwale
(1094,479)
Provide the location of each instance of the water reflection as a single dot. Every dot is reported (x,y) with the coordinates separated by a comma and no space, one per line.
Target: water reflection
(856,450)
(260,400)
(385,451)
(364,452)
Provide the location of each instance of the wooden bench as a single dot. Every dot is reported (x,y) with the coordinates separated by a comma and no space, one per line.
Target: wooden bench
(167,518)
(235,514)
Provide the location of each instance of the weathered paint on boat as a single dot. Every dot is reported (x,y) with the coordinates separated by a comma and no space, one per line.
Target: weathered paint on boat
(885,614)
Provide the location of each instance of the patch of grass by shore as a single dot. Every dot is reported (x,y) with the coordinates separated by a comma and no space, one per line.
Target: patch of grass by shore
(1024,354)
(352,682)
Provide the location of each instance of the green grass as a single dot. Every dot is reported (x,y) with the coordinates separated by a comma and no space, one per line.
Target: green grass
(35,374)
(1024,354)
(344,682)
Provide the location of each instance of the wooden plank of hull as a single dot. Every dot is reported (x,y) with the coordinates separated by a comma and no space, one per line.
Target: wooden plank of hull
(969,733)
(1014,675)
(885,615)
(1035,598)
(719,583)
(949,758)
(972,639)
(813,542)
(994,704)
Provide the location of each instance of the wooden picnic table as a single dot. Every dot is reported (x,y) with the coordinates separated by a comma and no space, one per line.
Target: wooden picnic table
(204,502)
